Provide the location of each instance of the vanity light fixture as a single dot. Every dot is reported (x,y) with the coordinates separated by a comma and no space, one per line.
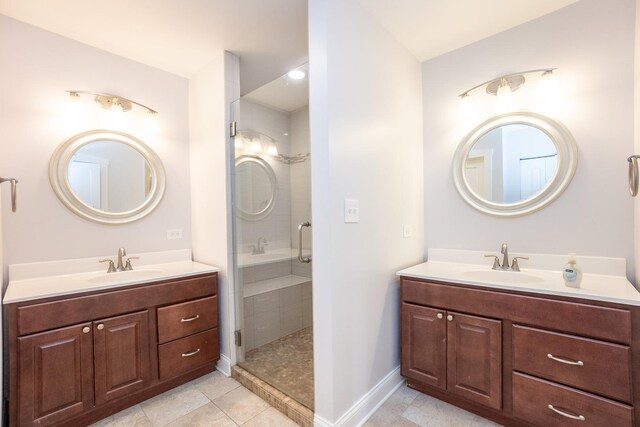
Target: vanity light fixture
(112,102)
(504,86)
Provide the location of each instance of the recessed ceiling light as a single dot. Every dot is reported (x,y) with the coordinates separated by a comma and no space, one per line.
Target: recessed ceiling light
(296,74)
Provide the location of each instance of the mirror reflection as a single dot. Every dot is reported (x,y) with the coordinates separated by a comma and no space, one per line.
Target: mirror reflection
(511,163)
(110,176)
(255,187)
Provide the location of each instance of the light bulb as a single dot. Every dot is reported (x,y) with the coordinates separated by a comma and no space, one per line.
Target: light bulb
(116,106)
(256,147)
(151,121)
(548,85)
(504,96)
(272,150)
(296,74)
(238,142)
(466,106)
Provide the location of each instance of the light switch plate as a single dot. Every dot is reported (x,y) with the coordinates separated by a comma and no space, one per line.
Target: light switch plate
(175,233)
(407,231)
(351,211)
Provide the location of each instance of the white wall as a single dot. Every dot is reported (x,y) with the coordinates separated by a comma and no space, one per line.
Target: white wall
(637,135)
(591,43)
(37,68)
(210,93)
(366,144)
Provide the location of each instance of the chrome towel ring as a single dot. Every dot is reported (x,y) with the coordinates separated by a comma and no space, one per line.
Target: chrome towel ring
(14,190)
(633,175)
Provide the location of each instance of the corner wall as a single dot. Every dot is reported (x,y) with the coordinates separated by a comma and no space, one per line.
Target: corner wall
(636,116)
(592,45)
(366,144)
(211,91)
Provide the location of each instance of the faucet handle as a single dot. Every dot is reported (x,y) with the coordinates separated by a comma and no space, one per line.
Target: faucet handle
(514,264)
(496,261)
(111,267)
(128,266)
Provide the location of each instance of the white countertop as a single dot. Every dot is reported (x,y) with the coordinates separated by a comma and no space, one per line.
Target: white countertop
(597,287)
(56,278)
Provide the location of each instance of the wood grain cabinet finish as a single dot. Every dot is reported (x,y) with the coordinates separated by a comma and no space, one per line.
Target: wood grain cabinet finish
(179,320)
(424,345)
(76,359)
(56,375)
(474,358)
(455,352)
(121,354)
(522,359)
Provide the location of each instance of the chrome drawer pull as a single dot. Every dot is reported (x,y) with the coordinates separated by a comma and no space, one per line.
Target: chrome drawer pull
(190,319)
(564,414)
(191,353)
(568,362)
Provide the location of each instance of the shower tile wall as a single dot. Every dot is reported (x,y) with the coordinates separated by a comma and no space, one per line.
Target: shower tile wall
(274,314)
(276,227)
(300,182)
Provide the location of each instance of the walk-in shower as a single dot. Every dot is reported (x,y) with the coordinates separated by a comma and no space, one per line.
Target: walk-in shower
(272,235)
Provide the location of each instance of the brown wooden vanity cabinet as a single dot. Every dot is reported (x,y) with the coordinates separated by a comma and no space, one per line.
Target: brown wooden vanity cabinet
(522,359)
(124,346)
(454,352)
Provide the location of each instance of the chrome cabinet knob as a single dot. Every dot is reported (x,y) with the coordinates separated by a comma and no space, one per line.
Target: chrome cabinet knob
(100,326)
(86,330)
(449,317)
(440,316)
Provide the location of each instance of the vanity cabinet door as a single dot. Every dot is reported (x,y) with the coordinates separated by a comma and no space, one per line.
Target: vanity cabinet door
(55,375)
(121,355)
(424,348)
(474,352)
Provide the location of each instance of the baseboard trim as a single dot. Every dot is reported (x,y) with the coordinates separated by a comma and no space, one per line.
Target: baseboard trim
(362,410)
(224,365)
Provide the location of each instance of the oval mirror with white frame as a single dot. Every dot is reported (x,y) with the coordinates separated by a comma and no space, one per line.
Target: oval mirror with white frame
(256,188)
(514,164)
(107,177)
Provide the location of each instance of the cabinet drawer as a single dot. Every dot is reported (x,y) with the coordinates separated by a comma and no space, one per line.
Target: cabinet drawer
(188,353)
(604,367)
(179,320)
(611,324)
(536,401)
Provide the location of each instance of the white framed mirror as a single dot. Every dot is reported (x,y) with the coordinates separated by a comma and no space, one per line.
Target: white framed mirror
(107,177)
(256,188)
(514,164)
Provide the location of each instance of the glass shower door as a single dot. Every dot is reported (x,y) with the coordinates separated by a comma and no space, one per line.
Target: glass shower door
(272,217)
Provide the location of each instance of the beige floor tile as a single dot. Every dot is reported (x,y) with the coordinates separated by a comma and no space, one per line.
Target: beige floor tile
(400,400)
(130,417)
(427,411)
(208,415)
(173,404)
(385,418)
(270,418)
(215,385)
(241,405)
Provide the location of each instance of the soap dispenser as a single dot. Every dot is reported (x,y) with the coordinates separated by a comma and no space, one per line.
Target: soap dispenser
(571,273)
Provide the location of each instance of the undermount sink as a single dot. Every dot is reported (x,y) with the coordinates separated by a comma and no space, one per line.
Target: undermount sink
(125,276)
(507,277)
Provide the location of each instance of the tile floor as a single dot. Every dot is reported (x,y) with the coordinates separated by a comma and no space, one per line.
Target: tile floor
(408,408)
(217,401)
(211,401)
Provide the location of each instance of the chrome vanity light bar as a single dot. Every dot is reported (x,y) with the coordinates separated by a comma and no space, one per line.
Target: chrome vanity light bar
(108,101)
(514,81)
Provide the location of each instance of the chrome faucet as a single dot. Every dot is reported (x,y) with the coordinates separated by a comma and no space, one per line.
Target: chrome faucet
(259,248)
(505,255)
(505,260)
(120,267)
(122,252)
